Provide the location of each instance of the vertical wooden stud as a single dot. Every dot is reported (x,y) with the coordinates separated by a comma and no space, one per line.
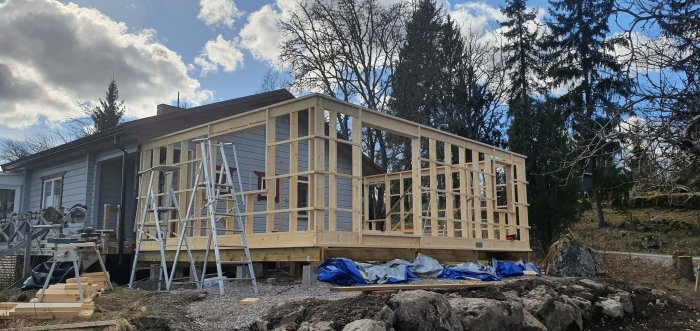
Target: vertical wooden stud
(357,173)
(476,189)
(332,170)
(293,169)
(449,192)
(463,204)
(270,180)
(416,187)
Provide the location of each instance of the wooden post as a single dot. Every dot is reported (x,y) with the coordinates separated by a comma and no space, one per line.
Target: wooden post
(476,189)
(489,179)
(416,186)
(332,170)
(319,158)
(270,180)
(357,173)
(432,155)
(449,193)
(523,233)
(463,204)
(684,267)
(293,169)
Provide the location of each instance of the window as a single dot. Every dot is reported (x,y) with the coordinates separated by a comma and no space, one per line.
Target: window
(52,191)
(262,186)
(7,202)
(303,194)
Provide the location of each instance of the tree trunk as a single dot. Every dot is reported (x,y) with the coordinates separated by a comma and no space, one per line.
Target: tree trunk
(599,209)
(684,267)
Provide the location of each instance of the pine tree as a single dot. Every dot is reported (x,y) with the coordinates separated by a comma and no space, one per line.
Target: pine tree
(523,58)
(108,114)
(580,58)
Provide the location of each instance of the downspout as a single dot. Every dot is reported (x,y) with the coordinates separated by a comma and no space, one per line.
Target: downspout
(122,203)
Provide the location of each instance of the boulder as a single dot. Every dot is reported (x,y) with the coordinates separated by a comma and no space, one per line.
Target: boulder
(367,325)
(539,301)
(651,242)
(423,310)
(593,285)
(487,314)
(317,326)
(573,259)
(281,316)
(385,315)
(531,323)
(616,304)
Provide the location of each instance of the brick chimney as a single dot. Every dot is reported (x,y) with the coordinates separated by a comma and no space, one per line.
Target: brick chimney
(164,109)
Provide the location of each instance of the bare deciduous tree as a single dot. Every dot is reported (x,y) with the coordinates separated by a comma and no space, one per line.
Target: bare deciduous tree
(345,49)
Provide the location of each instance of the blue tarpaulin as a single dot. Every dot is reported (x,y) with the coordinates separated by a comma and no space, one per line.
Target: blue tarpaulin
(341,271)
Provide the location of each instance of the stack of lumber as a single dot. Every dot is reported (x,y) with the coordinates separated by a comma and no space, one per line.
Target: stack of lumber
(60,300)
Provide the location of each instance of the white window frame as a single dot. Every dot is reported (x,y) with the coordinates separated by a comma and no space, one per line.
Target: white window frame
(52,179)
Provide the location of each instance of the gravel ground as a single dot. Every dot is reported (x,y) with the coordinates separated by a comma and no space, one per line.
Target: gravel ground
(225,312)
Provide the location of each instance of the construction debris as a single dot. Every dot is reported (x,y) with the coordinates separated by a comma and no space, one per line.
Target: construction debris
(249,301)
(60,300)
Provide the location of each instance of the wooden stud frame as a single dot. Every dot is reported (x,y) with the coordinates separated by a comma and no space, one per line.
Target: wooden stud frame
(460,212)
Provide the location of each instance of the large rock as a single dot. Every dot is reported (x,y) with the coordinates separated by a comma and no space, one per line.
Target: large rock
(531,323)
(317,326)
(573,259)
(487,314)
(423,310)
(539,301)
(616,304)
(367,325)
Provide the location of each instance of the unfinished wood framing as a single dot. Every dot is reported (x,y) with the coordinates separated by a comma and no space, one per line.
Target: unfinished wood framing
(312,194)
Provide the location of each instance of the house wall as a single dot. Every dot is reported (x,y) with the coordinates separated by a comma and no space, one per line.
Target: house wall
(75,181)
(250,146)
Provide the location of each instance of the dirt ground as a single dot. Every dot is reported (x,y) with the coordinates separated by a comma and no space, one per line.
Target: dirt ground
(206,310)
(678,230)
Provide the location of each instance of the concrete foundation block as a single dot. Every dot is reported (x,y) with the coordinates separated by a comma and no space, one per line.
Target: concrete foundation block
(308,276)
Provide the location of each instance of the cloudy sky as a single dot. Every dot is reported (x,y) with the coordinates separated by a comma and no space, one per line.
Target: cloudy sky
(54,54)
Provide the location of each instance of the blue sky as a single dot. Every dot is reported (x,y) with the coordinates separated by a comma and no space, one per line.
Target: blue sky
(207,50)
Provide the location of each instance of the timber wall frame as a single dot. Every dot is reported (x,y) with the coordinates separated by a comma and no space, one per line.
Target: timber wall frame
(471,197)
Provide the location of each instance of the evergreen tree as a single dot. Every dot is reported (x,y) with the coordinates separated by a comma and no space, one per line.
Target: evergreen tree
(536,130)
(580,58)
(108,114)
(553,199)
(522,58)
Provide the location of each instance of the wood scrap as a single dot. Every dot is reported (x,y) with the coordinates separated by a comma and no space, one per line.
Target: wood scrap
(69,326)
(249,301)
(397,287)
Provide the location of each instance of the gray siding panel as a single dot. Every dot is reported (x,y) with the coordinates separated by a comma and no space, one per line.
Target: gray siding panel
(74,184)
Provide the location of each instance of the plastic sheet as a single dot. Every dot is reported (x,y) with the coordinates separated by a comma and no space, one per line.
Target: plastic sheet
(343,271)
(426,266)
(505,269)
(395,271)
(471,270)
(340,271)
(61,272)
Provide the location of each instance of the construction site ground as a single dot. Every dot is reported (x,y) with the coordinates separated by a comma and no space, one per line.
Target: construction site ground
(676,307)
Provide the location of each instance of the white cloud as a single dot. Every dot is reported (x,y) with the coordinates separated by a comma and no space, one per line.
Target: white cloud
(261,34)
(46,68)
(218,12)
(219,53)
(476,16)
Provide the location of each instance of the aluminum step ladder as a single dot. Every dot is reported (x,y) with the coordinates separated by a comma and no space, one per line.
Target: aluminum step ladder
(151,206)
(218,191)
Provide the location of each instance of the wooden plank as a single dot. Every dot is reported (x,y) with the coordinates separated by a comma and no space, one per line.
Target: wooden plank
(319,163)
(403,287)
(432,154)
(270,183)
(476,189)
(332,168)
(463,202)
(69,326)
(523,226)
(293,168)
(489,179)
(357,201)
(449,195)
(415,189)
(249,301)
